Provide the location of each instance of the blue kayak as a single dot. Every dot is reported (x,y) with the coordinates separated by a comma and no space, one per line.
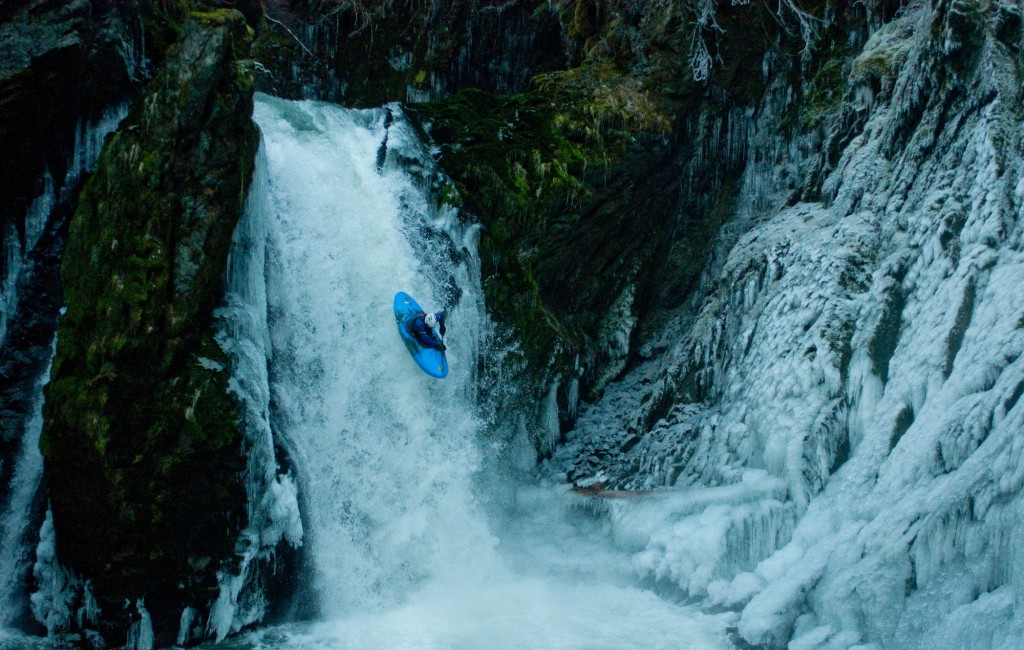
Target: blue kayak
(433,362)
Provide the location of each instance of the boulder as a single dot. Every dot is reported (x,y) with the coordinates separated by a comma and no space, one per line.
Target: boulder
(143,451)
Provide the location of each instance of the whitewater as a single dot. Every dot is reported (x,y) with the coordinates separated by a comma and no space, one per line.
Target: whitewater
(414,533)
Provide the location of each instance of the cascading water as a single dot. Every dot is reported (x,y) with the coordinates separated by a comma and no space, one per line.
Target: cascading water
(387,464)
(405,542)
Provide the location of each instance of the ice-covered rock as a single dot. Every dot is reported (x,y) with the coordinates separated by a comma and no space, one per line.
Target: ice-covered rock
(865,351)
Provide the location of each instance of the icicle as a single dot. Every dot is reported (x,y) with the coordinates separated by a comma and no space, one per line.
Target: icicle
(185,626)
(38,213)
(572,399)
(273,512)
(51,604)
(550,430)
(140,634)
(89,137)
(12,263)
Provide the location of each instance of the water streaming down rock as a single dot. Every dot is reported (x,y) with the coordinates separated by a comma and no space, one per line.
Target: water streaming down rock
(386,455)
(304,269)
(272,509)
(399,522)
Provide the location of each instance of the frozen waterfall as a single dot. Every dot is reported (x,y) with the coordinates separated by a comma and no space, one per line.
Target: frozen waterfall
(23,485)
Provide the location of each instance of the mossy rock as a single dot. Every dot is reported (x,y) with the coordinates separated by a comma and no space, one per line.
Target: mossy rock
(141,441)
(885,53)
(533,167)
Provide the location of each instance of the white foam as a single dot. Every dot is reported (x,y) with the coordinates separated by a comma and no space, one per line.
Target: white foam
(387,459)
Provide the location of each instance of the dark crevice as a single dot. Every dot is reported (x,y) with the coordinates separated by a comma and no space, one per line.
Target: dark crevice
(955,338)
(886,336)
(904,419)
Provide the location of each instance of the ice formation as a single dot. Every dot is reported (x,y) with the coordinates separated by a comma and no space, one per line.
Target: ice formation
(863,354)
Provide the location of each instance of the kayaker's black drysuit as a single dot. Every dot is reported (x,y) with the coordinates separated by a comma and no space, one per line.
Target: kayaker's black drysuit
(424,334)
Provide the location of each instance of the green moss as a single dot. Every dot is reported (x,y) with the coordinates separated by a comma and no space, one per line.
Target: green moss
(517,160)
(141,441)
(501,151)
(824,93)
(884,54)
(215,16)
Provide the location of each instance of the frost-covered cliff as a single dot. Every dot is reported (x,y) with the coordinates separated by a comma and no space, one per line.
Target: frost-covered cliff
(832,428)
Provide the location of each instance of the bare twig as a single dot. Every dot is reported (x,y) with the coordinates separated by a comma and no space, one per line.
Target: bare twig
(285,28)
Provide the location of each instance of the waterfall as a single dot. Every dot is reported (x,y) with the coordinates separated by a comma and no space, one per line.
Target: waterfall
(385,454)
(272,507)
(408,543)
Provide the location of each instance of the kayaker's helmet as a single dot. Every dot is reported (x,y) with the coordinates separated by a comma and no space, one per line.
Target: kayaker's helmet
(430,320)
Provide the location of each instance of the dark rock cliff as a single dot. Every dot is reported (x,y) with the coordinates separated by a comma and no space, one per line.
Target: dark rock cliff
(58,61)
(142,449)
(367,53)
(598,150)
(58,66)
(67,70)
(60,70)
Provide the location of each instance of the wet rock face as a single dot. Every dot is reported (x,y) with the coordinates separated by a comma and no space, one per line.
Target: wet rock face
(370,53)
(142,449)
(56,64)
